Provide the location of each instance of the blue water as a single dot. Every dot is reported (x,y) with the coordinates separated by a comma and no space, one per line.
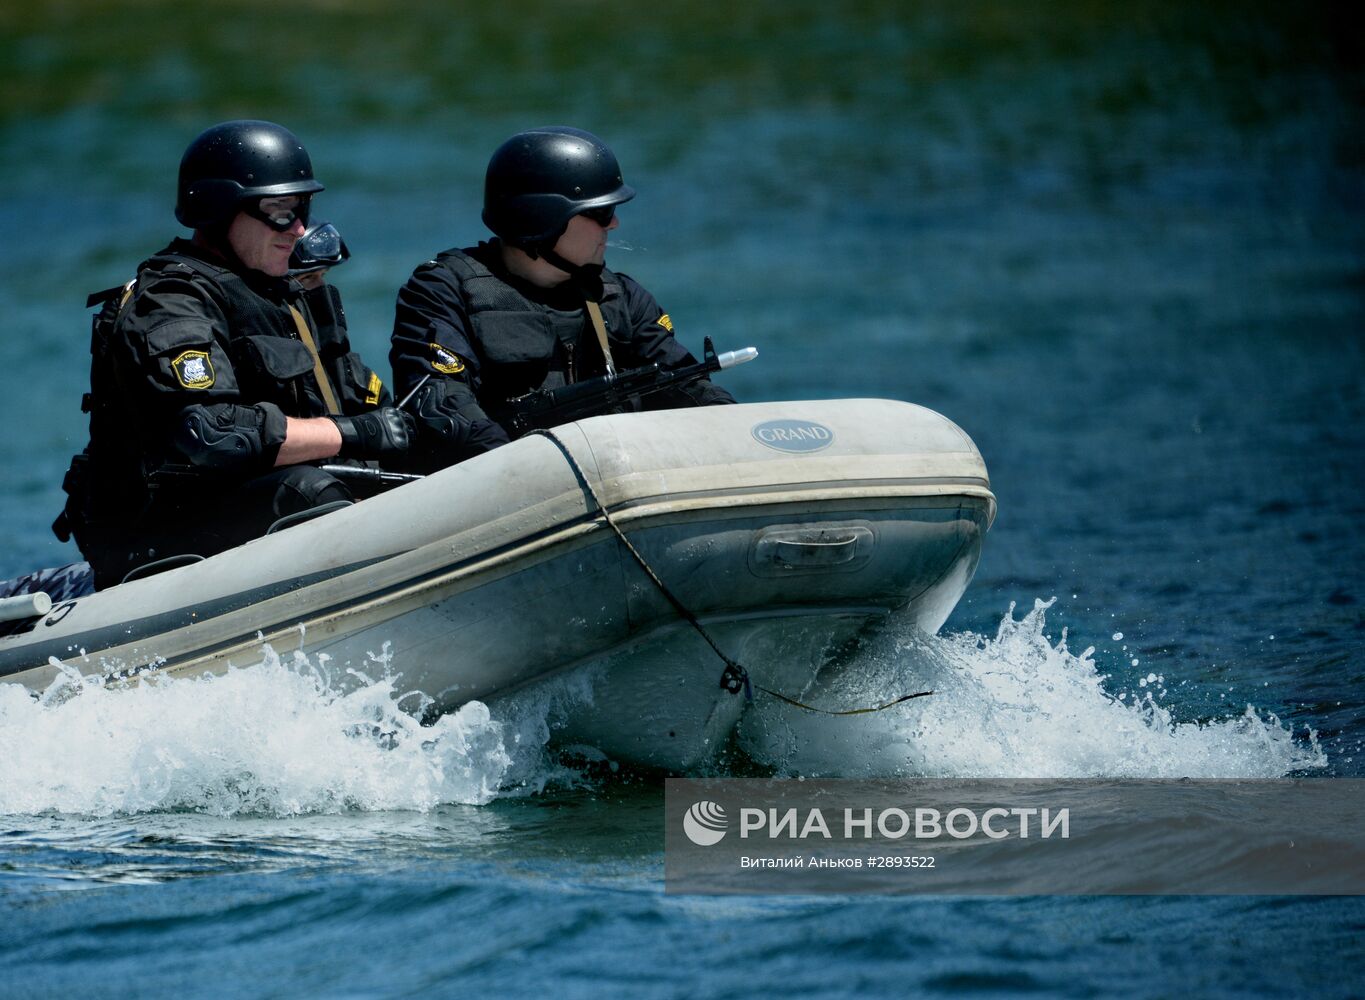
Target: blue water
(1122,248)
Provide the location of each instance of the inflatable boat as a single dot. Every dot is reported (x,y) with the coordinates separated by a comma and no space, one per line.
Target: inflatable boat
(772,533)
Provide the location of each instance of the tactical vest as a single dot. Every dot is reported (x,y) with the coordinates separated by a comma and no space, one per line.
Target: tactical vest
(111,482)
(522,344)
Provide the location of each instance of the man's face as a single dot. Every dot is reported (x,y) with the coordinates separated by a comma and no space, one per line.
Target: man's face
(262,246)
(585,240)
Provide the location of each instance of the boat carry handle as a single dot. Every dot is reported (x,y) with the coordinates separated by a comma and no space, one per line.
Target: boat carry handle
(781,550)
(298,517)
(161,566)
(803,552)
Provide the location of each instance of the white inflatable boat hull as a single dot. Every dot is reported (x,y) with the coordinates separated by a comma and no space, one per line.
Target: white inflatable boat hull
(784,527)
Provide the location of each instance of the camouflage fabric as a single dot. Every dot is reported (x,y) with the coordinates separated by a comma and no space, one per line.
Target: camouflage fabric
(61,583)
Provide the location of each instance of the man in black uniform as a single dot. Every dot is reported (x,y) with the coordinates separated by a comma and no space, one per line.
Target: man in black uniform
(216,378)
(535,307)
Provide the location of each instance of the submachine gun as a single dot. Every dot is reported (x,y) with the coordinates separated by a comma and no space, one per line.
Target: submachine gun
(547,408)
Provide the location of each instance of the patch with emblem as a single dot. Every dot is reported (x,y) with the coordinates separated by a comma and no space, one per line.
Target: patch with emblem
(193,370)
(665,322)
(374,390)
(445,361)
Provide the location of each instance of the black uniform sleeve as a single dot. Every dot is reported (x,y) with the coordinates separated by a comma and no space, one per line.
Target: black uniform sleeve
(431,339)
(653,342)
(171,357)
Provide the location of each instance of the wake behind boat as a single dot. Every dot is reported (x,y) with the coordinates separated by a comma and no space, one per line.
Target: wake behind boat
(785,528)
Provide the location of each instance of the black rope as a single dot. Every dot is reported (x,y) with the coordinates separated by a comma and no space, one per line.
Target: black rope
(735,678)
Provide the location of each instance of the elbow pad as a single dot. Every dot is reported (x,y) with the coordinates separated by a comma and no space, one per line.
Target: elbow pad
(448,415)
(226,436)
(451,426)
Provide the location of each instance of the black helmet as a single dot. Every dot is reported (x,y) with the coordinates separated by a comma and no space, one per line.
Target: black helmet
(237,160)
(538,180)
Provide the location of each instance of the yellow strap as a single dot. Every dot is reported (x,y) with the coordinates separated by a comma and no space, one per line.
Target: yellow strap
(329,396)
(595,313)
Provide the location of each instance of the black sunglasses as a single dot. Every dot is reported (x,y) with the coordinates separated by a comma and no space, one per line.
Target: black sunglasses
(279,213)
(602,216)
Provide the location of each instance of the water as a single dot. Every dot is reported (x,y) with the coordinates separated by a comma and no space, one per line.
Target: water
(1121,248)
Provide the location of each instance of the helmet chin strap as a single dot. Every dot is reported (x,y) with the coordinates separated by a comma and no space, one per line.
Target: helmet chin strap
(587,278)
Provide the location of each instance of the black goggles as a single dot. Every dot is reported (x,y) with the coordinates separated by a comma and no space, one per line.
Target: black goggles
(280,213)
(318,249)
(602,216)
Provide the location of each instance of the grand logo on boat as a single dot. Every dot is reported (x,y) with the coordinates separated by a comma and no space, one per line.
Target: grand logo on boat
(793,435)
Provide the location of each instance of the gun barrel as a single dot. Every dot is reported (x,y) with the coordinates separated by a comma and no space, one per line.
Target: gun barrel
(374,475)
(732,358)
(548,407)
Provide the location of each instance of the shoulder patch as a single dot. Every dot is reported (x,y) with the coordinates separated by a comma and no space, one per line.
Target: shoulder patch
(665,322)
(445,361)
(193,370)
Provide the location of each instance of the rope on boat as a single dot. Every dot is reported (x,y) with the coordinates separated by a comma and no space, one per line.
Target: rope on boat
(735,678)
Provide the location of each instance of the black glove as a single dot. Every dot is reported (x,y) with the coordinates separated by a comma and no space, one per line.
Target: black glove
(376,434)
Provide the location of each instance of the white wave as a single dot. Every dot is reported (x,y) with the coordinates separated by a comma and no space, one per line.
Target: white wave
(275,738)
(1013,706)
(529,718)
(283,738)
